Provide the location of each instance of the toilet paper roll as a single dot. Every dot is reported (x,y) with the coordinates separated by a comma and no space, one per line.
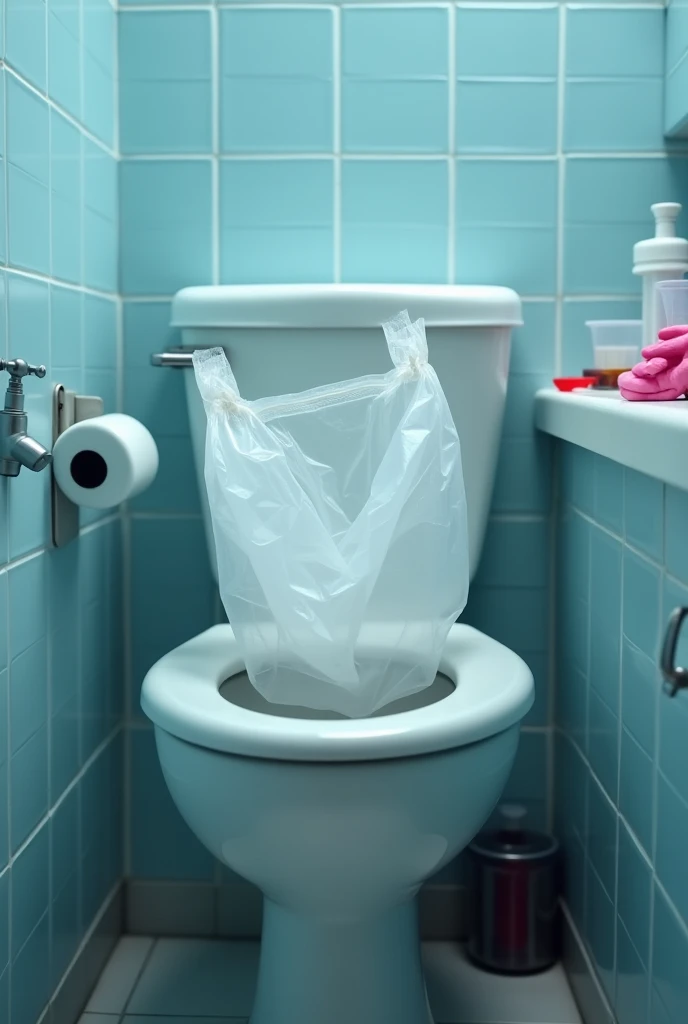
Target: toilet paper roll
(102,461)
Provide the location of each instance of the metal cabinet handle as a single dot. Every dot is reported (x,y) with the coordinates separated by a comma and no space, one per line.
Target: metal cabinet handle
(675,678)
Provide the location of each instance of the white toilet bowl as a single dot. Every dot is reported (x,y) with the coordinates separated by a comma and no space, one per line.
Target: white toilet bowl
(338,821)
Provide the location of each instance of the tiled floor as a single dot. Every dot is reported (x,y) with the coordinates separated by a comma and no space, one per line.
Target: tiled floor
(205,981)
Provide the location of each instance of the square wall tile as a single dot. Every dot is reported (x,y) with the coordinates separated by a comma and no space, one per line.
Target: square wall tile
(98,100)
(162,844)
(605,617)
(66,199)
(615,79)
(532,346)
(498,41)
(100,217)
(607,115)
(577,354)
(676,530)
(506,116)
(523,475)
(30,887)
(515,554)
(29,786)
(632,981)
(670,956)
(65,54)
(614,41)
(394,220)
(166,225)
(25,46)
(675,117)
(31,975)
(600,928)
(639,687)
(276,220)
(276,80)
(165,87)
(163,616)
(506,224)
(636,797)
(644,513)
(395,85)
(66,330)
(28,159)
(601,836)
(672,834)
(609,494)
(517,617)
(603,743)
(634,893)
(100,333)
(641,596)
(28,693)
(607,209)
(99,21)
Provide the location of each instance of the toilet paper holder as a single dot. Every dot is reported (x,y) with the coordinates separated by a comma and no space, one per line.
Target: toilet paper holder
(68,409)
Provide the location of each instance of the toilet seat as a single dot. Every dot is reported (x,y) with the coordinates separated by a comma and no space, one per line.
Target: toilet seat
(494,690)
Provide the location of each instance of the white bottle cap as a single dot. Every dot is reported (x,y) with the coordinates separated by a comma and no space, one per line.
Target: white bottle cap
(664,252)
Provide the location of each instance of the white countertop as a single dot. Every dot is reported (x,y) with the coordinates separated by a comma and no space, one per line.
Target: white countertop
(651,437)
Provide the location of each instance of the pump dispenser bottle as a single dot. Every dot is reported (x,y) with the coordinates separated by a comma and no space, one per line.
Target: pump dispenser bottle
(662,258)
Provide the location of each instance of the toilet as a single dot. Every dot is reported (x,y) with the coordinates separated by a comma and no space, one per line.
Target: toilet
(339,821)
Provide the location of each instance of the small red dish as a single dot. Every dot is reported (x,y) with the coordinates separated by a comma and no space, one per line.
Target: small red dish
(569,383)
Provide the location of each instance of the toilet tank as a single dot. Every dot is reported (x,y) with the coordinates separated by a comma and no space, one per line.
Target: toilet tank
(285,338)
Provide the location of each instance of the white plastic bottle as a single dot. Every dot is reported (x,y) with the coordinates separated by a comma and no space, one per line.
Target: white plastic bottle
(662,258)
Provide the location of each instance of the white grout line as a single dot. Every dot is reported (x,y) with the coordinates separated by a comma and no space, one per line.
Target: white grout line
(451,137)
(337,143)
(216,211)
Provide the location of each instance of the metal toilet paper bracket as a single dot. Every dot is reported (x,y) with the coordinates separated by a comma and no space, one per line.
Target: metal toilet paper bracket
(68,409)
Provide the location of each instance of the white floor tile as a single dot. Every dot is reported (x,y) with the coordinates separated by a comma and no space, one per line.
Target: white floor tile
(206,977)
(460,993)
(206,981)
(119,977)
(99,1018)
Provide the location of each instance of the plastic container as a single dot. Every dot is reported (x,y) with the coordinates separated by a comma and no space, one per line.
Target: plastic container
(673,303)
(662,258)
(571,383)
(616,343)
(515,927)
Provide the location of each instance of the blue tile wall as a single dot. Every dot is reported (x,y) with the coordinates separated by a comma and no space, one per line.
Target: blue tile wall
(614,93)
(395,80)
(620,751)
(676,64)
(61,691)
(507,68)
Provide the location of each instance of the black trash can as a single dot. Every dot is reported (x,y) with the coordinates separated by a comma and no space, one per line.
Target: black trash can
(515,927)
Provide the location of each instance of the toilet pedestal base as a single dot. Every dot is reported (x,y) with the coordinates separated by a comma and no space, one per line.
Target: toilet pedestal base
(319,972)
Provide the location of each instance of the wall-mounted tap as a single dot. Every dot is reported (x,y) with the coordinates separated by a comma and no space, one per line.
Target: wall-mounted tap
(17,449)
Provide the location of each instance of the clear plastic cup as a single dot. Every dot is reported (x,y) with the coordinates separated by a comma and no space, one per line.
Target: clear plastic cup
(674,296)
(616,343)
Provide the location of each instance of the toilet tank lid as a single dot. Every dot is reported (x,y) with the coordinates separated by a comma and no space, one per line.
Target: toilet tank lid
(344,305)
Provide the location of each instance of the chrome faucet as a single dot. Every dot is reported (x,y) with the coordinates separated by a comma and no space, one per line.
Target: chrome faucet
(17,449)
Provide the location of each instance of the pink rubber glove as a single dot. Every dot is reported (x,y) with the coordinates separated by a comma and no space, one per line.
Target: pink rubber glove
(664,375)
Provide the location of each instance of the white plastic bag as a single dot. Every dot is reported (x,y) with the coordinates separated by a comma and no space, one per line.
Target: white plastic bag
(339,517)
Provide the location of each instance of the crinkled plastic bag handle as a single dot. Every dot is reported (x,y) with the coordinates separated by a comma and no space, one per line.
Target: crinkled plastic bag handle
(406,341)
